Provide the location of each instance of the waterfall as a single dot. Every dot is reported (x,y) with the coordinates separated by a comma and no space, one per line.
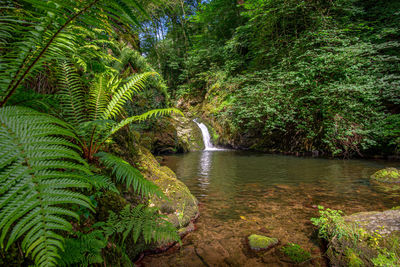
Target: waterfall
(208,146)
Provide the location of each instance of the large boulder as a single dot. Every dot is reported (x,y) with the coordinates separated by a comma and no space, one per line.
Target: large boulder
(172,135)
(362,238)
(181,207)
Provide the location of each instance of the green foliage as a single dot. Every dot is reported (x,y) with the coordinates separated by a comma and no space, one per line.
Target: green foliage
(42,172)
(300,75)
(331,224)
(296,253)
(141,222)
(34,185)
(84,250)
(127,174)
(104,102)
(386,259)
(36,32)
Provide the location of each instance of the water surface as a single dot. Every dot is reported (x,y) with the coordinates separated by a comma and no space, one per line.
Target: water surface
(241,193)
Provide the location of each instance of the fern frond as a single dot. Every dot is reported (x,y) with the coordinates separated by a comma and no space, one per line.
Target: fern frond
(145,116)
(83,250)
(98,98)
(126,173)
(134,85)
(71,94)
(33,183)
(102,182)
(141,221)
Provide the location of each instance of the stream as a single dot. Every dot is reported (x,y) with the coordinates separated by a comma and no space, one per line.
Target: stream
(243,193)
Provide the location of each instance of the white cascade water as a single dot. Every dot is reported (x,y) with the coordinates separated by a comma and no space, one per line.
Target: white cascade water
(208,146)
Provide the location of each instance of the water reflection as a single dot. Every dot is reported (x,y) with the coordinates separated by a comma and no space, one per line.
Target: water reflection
(204,169)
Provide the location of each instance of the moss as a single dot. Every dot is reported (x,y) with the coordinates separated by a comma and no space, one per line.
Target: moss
(259,242)
(353,258)
(388,175)
(181,206)
(387,180)
(296,253)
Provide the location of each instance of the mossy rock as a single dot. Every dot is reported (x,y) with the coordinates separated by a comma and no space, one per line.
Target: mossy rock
(370,233)
(387,175)
(172,135)
(387,180)
(259,242)
(181,206)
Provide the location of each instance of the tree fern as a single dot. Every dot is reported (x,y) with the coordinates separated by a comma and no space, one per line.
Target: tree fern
(126,173)
(33,185)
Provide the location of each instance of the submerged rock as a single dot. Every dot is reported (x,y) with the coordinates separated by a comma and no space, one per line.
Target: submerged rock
(387,179)
(387,175)
(259,242)
(181,207)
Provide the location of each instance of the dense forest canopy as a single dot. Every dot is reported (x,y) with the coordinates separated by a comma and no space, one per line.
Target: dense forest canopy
(324,75)
(79,79)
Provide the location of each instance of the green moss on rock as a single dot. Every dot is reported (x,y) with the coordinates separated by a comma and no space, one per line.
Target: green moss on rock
(387,180)
(259,242)
(387,175)
(181,206)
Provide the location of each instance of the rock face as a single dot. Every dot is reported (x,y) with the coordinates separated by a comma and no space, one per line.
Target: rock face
(259,242)
(385,222)
(172,135)
(182,206)
(387,179)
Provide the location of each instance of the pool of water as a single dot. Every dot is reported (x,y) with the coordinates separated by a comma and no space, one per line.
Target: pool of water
(242,193)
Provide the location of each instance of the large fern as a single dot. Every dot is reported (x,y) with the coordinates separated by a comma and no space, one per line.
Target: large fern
(38,169)
(33,32)
(95,116)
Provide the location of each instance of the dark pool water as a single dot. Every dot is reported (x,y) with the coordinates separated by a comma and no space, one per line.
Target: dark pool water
(241,193)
